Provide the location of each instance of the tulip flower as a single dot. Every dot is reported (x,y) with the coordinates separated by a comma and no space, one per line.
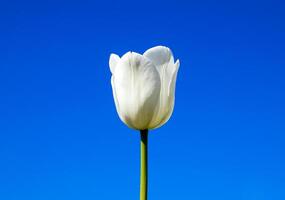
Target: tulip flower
(143,90)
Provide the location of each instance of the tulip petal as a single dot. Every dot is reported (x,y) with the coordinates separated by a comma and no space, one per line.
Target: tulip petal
(113,61)
(159,56)
(137,87)
(163,59)
(168,110)
(172,85)
(122,117)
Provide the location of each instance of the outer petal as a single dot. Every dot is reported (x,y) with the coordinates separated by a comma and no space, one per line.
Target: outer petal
(168,109)
(163,59)
(137,88)
(125,120)
(172,85)
(113,61)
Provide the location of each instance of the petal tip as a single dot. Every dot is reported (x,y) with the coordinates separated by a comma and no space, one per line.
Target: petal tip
(177,63)
(113,61)
(159,55)
(159,48)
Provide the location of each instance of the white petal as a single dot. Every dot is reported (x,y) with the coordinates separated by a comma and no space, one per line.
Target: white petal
(113,61)
(169,106)
(173,73)
(159,56)
(117,104)
(164,61)
(137,85)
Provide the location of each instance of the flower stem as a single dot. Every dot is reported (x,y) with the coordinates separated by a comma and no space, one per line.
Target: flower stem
(143,183)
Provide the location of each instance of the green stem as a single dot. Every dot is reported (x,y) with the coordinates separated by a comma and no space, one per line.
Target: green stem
(143,184)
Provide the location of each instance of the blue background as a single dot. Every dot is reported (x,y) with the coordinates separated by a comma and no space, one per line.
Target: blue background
(61,138)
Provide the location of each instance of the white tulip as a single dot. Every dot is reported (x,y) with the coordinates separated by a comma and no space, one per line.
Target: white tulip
(144,87)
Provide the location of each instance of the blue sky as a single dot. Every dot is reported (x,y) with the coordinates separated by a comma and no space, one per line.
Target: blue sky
(61,138)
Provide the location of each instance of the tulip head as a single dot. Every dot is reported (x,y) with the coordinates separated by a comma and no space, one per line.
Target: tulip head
(144,87)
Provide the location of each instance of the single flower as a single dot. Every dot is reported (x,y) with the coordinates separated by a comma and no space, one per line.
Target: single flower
(144,87)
